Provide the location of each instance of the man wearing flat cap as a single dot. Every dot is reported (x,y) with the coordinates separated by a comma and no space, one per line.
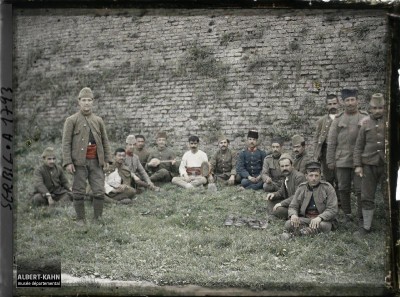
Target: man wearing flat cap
(161,163)
(223,164)
(139,174)
(278,202)
(341,141)
(313,208)
(321,138)
(50,183)
(271,173)
(300,155)
(86,152)
(250,162)
(369,158)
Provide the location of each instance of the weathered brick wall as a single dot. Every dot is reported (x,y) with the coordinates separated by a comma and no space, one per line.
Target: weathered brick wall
(200,72)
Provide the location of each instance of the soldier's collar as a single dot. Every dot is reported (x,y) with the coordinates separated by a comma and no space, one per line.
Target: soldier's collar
(252,149)
(313,187)
(130,154)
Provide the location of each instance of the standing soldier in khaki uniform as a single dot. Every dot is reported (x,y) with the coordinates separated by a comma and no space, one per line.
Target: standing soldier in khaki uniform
(223,164)
(369,158)
(321,138)
(271,173)
(161,163)
(140,150)
(341,141)
(86,152)
(50,182)
(135,166)
(278,202)
(301,157)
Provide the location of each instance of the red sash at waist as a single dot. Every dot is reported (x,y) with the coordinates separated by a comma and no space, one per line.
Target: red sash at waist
(91,152)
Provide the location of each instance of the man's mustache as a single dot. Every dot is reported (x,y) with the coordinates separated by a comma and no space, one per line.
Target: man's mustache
(283,171)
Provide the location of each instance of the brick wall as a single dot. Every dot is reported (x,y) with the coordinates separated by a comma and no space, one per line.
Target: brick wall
(200,72)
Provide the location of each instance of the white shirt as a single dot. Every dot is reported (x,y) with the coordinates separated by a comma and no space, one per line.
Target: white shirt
(192,160)
(112,181)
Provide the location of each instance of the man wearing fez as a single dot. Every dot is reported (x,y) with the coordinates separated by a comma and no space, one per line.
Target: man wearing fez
(369,158)
(278,202)
(223,163)
(321,138)
(140,150)
(194,167)
(341,141)
(161,161)
(135,166)
(314,206)
(301,157)
(118,180)
(86,152)
(271,173)
(250,162)
(50,183)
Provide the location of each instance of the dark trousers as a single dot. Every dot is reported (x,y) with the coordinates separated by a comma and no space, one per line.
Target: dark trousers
(91,172)
(372,176)
(247,184)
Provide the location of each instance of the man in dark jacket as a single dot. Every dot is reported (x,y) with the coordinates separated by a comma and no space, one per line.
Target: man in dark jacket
(278,202)
(50,182)
(314,207)
(86,152)
(250,162)
(369,158)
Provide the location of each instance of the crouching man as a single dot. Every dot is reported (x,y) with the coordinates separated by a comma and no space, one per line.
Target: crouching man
(118,180)
(314,206)
(50,182)
(194,167)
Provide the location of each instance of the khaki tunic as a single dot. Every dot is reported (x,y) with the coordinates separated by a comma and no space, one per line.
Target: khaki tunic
(342,138)
(50,180)
(324,197)
(286,192)
(163,155)
(272,169)
(223,162)
(299,163)
(143,155)
(75,139)
(321,135)
(135,167)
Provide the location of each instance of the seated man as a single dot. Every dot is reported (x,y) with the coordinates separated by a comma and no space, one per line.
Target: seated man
(194,167)
(135,167)
(223,164)
(140,150)
(278,202)
(271,173)
(250,162)
(314,206)
(161,162)
(50,182)
(118,180)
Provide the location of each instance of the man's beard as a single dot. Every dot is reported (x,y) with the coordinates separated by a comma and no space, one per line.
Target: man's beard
(276,154)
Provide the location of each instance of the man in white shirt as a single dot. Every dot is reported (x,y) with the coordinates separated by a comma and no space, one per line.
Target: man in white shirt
(194,167)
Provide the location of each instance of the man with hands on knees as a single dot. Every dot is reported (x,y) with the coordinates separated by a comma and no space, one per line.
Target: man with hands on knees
(314,206)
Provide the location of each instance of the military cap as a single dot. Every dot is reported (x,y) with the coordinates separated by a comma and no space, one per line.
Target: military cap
(313,165)
(377,100)
(252,134)
(131,139)
(277,139)
(48,151)
(286,156)
(222,137)
(161,134)
(349,93)
(86,93)
(297,139)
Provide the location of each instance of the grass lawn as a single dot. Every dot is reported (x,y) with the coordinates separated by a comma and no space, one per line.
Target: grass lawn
(177,237)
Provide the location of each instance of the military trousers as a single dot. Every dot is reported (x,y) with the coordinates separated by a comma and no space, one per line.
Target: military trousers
(271,187)
(280,212)
(127,193)
(40,200)
(324,226)
(91,172)
(247,184)
(329,175)
(345,177)
(195,181)
(162,175)
(372,176)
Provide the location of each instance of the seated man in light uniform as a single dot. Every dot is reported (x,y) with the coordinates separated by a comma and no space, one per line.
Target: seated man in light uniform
(194,167)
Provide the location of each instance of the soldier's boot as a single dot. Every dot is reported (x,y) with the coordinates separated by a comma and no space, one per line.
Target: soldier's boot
(368,215)
(79,205)
(98,204)
(345,200)
(359,210)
